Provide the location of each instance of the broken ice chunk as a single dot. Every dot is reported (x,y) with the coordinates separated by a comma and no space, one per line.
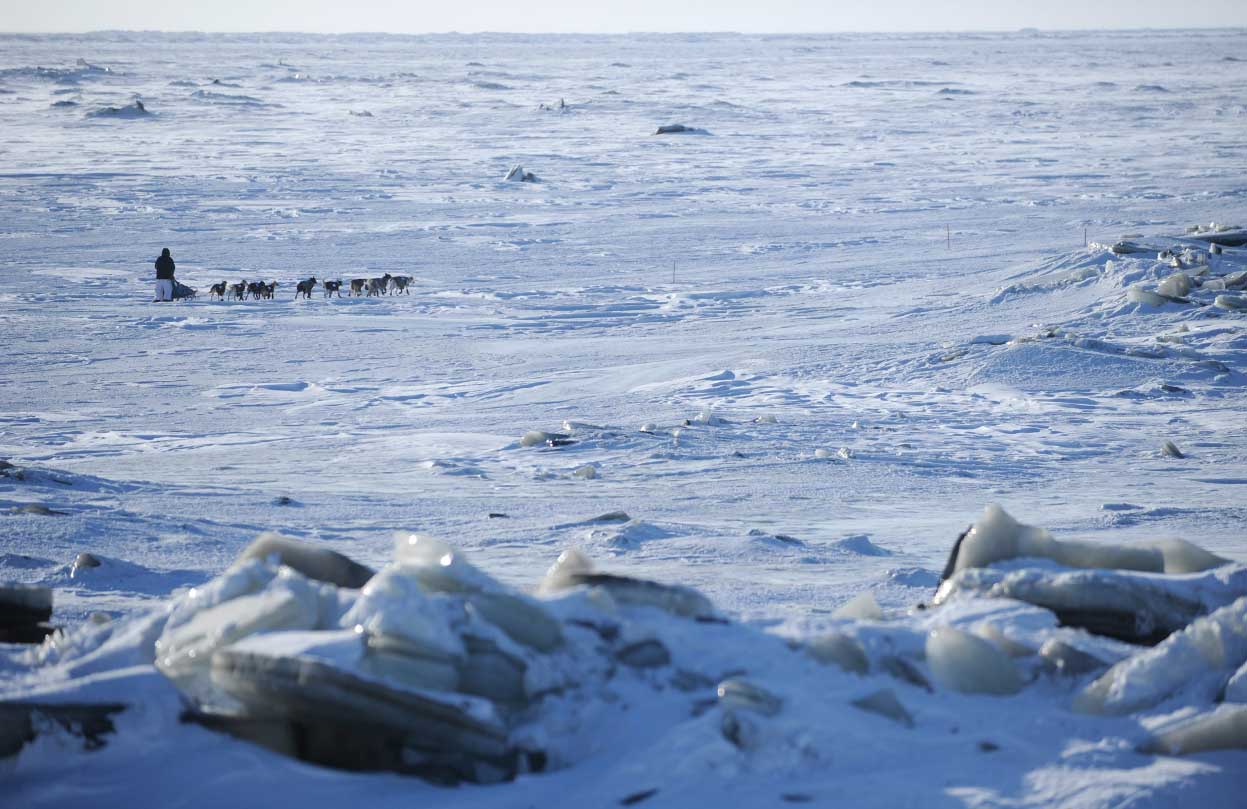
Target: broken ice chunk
(707,418)
(1139,295)
(1170,450)
(398,659)
(440,568)
(1198,658)
(1224,728)
(314,562)
(742,694)
(962,662)
(1068,660)
(1236,688)
(861,607)
(839,649)
(311,678)
(997,536)
(574,569)
(535,438)
(994,634)
(1177,285)
(184,652)
(885,703)
(393,604)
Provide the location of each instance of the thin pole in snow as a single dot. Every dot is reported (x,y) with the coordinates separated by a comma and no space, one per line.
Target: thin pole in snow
(1084,235)
(673,271)
(948,233)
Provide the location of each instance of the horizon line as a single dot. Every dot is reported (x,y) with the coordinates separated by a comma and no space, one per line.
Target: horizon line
(828,32)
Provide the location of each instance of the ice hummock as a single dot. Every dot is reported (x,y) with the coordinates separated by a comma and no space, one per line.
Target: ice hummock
(574,569)
(1198,660)
(1140,607)
(314,562)
(249,600)
(393,603)
(440,568)
(997,536)
(432,657)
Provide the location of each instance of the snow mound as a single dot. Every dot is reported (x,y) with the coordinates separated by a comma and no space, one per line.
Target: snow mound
(860,544)
(133,110)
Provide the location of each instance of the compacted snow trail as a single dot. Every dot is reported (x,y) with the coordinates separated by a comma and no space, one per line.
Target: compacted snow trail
(799,349)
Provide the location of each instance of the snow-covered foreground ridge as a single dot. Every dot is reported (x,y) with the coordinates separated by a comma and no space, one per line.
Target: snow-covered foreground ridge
(629,689)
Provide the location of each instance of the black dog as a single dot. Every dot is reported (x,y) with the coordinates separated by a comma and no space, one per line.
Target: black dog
(305,288)
(332,287)
(379,286)
(218,290)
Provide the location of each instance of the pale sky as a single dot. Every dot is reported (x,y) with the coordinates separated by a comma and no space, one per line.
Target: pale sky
(601,16)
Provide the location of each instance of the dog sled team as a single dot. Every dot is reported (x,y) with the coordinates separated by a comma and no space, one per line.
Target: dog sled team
(168,288)
(258,290)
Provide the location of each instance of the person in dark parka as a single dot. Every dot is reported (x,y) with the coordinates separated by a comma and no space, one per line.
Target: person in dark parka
(164,276)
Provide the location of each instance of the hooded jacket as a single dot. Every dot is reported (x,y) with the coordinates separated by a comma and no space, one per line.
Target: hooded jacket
(164,266)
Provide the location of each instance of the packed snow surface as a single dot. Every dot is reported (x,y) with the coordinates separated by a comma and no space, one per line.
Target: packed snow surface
(781,364)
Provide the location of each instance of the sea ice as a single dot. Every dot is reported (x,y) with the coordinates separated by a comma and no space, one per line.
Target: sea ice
(184,652)
(997,536)
(395,604)
(861,607)
(1138,294)
(839,649)
(440,568)
(1177,285)
(1135,606)
(1223,728)
(1236,688)
(885,703)
(741,694)
(1199,659)
(574,569)
(962,662)
(321,564)
(518,174)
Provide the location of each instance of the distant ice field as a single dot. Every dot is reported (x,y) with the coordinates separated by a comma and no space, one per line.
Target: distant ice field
(837,260)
